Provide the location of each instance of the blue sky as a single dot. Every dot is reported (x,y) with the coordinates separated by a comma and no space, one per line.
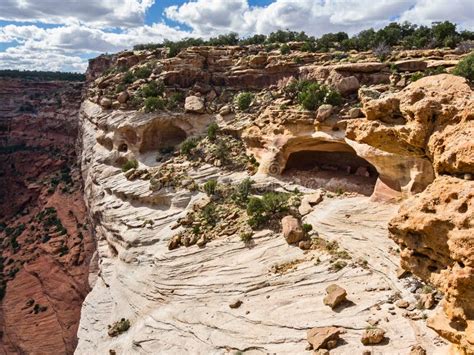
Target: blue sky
(63,34)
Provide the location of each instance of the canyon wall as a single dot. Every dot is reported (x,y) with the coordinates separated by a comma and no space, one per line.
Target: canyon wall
(46,240)
(165,285)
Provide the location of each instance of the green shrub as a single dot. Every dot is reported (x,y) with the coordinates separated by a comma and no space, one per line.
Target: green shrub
(307,228)
(153,104)
(188,145)
(128,78)
(333,98)
(275,202)
(174,100)
(153,88)
(465,67)
(130,164)
(311,96)
(246,237)
(242,191)
(244,99)
(209,214)
(212,131)
(210,187)
(285,49)
(416,76)
(142,72)
(222,151)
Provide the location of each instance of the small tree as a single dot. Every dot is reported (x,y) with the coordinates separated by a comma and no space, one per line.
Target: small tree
(244,99)
(210,187)
(465,67)
(153,104)
(285,49)
(188,145)
(212,131)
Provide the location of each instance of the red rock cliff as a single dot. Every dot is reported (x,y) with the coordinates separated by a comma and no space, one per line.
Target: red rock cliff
(46,246)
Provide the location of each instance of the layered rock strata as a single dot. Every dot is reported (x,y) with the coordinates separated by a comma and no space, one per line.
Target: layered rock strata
(46,244)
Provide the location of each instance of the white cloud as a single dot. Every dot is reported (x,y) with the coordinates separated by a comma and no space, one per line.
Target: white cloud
(427,11)
(99,13)
(74,41)
(210,17)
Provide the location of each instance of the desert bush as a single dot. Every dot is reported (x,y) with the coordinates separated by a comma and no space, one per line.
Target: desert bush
(307,228)
(210,187)
(130,164)
(188,145)
(244,99)
(153,104)
(153,88)
(142,72)
(209,214)
(212,131)
(465,67)
(285,49)
(382,51)
(242,191)
(275,202)
(128,78)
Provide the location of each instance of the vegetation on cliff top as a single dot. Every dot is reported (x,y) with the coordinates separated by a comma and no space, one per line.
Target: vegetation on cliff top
(407,35)
(42,75)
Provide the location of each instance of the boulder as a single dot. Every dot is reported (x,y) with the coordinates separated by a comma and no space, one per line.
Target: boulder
(235,304)
(308,202)
(335,296)
(427,300)
(411,65)
(292,230)
(194,104)
(105,102)
(417,350)
(373,336)
(174,242)
(122,97)
(355,112)
(323,113)
(344,84)
(320,336)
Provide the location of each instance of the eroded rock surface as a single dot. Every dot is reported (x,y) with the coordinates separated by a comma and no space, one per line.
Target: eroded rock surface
(172,259)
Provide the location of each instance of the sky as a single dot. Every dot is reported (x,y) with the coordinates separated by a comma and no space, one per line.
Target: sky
(61,35)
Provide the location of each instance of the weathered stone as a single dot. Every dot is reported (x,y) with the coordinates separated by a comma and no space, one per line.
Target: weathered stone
(304,244)
(292,230)
(122,97)
(194,104)
(105,102)
(417,350)
(174,242)
(335,296)
(355,112)
(402,304)
(372,336)
(323,113)
(411,65)
(320,336)
(235,304)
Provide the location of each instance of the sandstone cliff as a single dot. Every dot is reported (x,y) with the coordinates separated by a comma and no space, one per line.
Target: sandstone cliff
(46,244)
(179,269)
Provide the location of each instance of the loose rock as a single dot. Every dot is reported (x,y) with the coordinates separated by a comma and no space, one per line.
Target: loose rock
(335,296)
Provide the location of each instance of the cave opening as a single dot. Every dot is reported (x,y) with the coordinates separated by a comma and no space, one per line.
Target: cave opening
(338,170)
(162,136)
